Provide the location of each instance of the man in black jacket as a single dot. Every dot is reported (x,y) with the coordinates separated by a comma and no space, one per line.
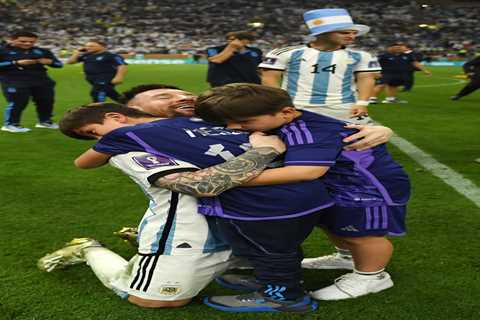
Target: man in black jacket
(23,75)
(234,62)
(472,70)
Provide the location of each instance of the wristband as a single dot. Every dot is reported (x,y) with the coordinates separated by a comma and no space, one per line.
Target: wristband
(363,103)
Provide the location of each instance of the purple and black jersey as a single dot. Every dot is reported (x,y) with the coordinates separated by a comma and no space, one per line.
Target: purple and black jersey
(203,145)
(356,178)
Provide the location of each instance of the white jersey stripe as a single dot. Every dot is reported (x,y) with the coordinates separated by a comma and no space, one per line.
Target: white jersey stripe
(293,73)
(328,20)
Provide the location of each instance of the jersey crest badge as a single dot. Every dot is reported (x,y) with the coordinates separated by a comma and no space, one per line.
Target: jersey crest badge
(269,61)
(152,161)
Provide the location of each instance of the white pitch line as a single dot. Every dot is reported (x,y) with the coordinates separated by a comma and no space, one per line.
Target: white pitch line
(456,81)
(462,185)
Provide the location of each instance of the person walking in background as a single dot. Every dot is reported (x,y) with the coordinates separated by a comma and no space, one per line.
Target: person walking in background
(472,70)
(23,75)
(411,80)
(397,68)
(103,69)
(234,62)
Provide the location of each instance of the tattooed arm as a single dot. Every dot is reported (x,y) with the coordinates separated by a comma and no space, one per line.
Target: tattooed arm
(212,181)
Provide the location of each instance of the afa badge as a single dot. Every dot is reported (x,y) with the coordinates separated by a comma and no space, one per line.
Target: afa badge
(169,290)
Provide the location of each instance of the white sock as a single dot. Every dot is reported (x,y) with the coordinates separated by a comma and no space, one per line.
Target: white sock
(368,274)
(344,253)
(106,264)
(390,98)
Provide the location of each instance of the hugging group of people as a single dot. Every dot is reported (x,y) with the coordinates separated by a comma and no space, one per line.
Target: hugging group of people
(243,173)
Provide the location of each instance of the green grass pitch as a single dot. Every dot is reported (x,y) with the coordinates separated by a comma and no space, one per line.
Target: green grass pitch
(45,202)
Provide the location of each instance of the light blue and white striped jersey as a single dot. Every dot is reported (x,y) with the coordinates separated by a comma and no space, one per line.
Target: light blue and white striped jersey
(320,79)
(171,225)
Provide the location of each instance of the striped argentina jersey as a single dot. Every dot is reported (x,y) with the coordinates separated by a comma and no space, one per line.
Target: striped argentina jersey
(171,224)
(319,78)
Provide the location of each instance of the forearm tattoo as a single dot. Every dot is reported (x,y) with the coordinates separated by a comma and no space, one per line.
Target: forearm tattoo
(212,181)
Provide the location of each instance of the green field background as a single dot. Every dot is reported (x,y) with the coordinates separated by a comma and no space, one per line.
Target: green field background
(45,202)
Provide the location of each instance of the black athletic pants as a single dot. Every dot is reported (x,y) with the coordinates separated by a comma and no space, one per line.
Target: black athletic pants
(273,248)
(18,96)
(473,85)
(101,89)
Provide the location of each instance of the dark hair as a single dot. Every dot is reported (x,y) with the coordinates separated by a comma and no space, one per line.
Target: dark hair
(23,33)
(238,101)
(132,92)
(78,117)
(241,35)
(100,42)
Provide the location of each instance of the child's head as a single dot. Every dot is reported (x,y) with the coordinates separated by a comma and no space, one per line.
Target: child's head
(246,106)
(94,120)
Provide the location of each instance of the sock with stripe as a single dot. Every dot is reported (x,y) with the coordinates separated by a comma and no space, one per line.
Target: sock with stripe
(367,274)
(344,253)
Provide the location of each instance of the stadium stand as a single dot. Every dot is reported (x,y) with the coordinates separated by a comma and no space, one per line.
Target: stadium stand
(175,26)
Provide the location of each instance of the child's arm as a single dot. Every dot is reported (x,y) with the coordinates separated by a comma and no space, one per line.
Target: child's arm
(212,181)
(91,159)
(290,174)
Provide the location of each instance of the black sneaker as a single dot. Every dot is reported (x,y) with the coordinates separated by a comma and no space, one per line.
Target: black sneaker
(238,282)
(255,302)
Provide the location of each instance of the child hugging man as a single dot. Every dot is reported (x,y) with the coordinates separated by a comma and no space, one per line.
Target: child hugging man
(369,188)
(264,224)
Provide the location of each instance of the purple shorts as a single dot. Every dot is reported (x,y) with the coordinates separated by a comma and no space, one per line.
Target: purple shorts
(361,222)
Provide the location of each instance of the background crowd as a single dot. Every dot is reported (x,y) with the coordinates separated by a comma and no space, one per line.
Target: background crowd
(174,26)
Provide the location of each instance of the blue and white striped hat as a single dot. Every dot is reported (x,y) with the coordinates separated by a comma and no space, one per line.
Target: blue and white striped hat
(327,20)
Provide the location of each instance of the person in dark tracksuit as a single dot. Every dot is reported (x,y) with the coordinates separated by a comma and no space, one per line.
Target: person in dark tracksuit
(472,70)
(416,56)
(397,69)
(235,61)
(103,69)
(23,75)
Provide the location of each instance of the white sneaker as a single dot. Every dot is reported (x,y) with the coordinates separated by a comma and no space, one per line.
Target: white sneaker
(47,125)
(14,129)
(394,101)
(353,285)
(69,255)
(332,261)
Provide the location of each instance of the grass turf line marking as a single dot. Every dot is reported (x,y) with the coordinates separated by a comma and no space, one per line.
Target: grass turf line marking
(462,185)
(456,82)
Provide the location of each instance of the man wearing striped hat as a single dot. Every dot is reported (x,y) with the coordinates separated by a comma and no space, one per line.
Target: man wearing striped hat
(324,76)
(328,78)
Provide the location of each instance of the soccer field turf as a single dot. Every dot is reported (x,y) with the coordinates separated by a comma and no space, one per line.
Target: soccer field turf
(45,202)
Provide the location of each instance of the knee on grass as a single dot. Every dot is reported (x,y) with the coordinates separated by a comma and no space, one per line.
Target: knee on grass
(147,303)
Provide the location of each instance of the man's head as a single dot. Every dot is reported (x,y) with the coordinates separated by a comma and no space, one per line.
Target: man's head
(161,100)
(246,106)
(339,37)
(95,46)
(92,121)
(23,39)
(397,48)
(245,37)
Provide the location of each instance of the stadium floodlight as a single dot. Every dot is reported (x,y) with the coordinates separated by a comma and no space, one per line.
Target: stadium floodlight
(425,5)
(256,24)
